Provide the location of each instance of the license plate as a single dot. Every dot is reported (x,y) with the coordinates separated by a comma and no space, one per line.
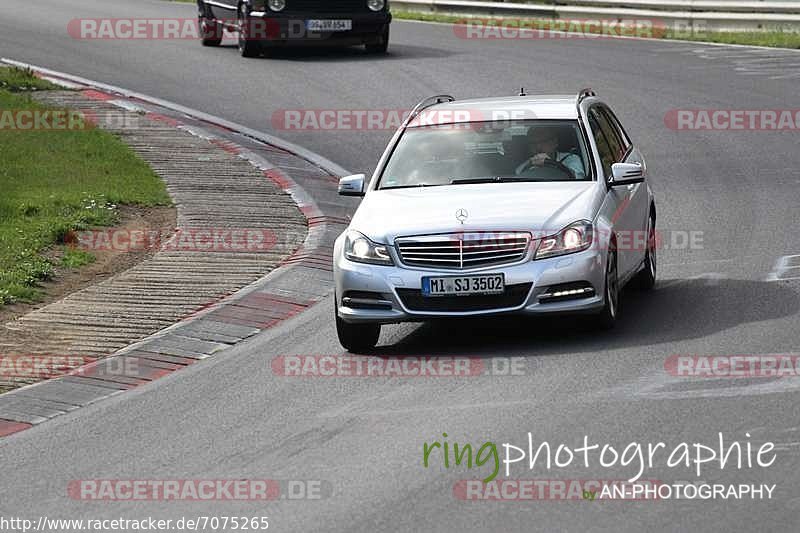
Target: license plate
(463,285)
(329,25)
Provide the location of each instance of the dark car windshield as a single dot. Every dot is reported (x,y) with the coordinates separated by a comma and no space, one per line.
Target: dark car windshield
(476,152)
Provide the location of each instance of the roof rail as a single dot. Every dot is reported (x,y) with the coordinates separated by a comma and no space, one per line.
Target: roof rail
(425,103)
(587,92)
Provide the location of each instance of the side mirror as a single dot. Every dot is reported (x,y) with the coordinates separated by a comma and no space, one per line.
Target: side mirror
(352,185)
(626,174)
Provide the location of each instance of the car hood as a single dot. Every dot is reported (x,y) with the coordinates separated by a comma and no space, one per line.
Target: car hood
(541,207)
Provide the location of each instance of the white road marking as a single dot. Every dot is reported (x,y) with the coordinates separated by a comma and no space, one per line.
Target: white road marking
(786,268)
(702,262)
(777,64)
(418,409)
(662,386)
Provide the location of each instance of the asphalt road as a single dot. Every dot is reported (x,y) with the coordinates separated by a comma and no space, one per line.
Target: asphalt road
(232,418)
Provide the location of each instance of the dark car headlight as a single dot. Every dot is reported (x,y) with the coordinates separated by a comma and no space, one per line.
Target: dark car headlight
(376,5)
(276,5)
(360,249)
(574,238)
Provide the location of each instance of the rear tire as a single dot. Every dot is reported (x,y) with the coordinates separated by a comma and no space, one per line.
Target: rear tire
(356,338)
(210,32)
(608,316)
(210,29)
(380,45)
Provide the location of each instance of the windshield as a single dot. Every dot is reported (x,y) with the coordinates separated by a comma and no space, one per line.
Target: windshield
(476,152)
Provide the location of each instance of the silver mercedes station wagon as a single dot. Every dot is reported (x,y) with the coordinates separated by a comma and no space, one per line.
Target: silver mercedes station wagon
(525,204)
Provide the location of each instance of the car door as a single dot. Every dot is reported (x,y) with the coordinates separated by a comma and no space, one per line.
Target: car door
(629,217)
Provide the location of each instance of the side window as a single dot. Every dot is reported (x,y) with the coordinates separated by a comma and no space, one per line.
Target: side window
(615,123)
(614,142)
(606,156)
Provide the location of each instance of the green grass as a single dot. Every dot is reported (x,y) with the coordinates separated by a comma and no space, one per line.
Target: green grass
(74,258)
(18,79)
(56,181)
(772,38)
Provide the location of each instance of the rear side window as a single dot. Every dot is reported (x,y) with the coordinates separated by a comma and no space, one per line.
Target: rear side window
(612,137)
(603,147)
(615,123)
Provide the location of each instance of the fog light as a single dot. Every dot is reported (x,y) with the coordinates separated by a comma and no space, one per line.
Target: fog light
(376,5)
(277,5)
(567,291)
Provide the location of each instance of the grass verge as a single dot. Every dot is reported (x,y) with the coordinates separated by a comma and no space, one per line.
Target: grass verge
(56,181)
(771,38)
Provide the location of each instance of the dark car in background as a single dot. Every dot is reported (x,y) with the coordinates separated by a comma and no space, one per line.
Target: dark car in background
(263,25)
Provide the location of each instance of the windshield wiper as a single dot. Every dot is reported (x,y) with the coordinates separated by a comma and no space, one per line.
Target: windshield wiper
(486,179)
(492,179)
(411,186)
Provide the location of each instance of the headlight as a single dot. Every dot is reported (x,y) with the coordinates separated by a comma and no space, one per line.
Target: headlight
(362,250)
(277,5)
(376,5)
(574,238)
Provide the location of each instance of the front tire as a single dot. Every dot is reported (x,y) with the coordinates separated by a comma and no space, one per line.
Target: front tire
(608,316)
(356,338)
(248,45)
(380,45)
(646,279)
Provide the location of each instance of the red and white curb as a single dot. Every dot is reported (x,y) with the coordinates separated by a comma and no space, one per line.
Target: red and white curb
(300,280)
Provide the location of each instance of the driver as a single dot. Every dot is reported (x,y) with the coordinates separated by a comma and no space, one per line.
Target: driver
(543,141)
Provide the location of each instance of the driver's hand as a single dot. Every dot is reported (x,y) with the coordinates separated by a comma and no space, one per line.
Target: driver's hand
(538,159)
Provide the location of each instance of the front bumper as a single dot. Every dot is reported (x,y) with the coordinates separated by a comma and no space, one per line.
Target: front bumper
(289,28)
(529,280)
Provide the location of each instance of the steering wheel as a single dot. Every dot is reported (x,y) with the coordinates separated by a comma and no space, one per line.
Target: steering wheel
(552,163)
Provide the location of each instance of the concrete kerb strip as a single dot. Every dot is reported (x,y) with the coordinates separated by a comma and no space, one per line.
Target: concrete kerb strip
(301,280)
